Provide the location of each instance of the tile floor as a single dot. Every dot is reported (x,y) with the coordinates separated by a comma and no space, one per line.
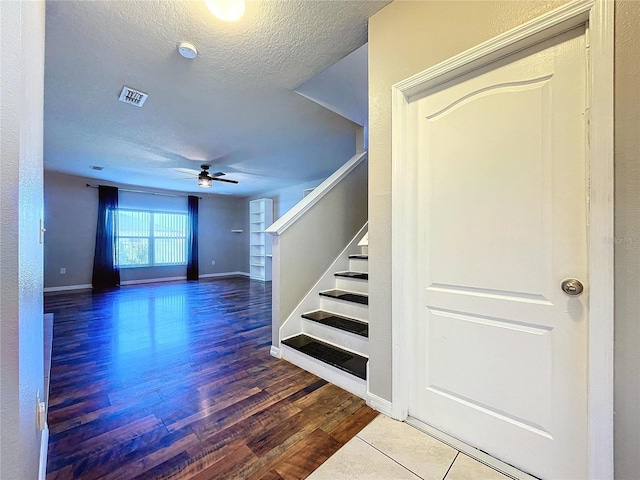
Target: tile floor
(390,450)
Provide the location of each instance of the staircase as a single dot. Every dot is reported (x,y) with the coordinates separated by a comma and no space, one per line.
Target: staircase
(334,338)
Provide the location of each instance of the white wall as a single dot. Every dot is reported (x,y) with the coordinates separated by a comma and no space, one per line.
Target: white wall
(408,37)
(342,87)
(71,214)
(21,309)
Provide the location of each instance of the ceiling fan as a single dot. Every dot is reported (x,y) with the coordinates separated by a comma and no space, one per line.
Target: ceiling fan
(205,179)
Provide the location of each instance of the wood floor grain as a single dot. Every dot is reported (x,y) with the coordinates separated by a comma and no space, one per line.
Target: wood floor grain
(175,380)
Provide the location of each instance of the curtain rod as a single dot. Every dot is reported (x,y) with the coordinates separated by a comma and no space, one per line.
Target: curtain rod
(148,193)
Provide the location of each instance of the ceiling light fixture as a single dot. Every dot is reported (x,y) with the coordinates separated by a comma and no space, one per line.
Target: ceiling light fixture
(187,50)
(204,182)
(227,10)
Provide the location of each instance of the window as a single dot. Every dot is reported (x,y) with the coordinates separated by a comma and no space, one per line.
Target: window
(147,238)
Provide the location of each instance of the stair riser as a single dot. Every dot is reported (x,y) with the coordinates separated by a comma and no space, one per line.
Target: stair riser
(346,340)
(348,382)
(352,284)
(348,309)
(364,250)
(359,265)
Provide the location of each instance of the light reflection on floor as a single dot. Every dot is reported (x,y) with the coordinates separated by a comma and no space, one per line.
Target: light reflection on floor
(147,331)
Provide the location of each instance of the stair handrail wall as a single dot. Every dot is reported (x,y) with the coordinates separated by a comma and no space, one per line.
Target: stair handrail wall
(308,238)
(327,281)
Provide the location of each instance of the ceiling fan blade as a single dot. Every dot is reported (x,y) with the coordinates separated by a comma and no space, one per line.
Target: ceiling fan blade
(217,174)
(223,180)
(188,171)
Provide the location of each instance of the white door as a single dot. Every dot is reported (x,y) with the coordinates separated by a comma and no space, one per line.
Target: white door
(499,351)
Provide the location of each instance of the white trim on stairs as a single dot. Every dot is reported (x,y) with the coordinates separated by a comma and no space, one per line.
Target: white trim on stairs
(275,352)
(344,380)
(289,218)
(44,447)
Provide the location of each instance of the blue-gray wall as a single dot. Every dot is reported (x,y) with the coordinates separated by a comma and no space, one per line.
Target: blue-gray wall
(70,218)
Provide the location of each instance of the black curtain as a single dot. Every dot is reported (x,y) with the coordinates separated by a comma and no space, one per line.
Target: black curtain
(192,240)
(106,273)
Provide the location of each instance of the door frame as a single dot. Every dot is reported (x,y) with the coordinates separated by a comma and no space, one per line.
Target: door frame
(597,16)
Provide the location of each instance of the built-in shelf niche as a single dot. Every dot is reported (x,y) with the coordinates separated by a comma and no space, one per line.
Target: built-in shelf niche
(260,217)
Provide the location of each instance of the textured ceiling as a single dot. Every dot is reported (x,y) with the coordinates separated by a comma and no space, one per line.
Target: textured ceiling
(234,106)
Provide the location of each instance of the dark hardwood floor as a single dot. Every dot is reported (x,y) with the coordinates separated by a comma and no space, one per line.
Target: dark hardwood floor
(175,380)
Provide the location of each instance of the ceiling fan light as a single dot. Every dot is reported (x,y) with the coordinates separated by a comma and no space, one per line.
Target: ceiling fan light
(204,182)
(227,10)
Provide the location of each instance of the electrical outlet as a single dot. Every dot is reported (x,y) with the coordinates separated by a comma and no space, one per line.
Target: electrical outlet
(213,262)
(63,271)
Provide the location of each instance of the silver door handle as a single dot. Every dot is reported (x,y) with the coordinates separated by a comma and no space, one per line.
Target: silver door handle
(572,286)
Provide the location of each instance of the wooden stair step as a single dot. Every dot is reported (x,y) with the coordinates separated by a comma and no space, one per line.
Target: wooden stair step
(347,296)
(358,275)
(340,322)
(346,361)
(361,256)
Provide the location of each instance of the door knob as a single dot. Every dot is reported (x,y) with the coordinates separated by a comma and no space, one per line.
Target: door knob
(572,286)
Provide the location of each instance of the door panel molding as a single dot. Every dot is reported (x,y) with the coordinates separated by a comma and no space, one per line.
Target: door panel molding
(562,19)
(507,87)
(597,15)
(521,422)
(527,297)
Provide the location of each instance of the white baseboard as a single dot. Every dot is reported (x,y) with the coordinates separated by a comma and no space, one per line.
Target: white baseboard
(152,280)
(226,274)
(44,447)
(183,277)
(275,352)
(379,404)
(88,286)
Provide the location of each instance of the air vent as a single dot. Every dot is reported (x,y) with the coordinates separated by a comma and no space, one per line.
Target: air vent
(134,97)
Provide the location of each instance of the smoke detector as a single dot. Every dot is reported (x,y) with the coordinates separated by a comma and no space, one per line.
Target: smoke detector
(134,97)
(187,50)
